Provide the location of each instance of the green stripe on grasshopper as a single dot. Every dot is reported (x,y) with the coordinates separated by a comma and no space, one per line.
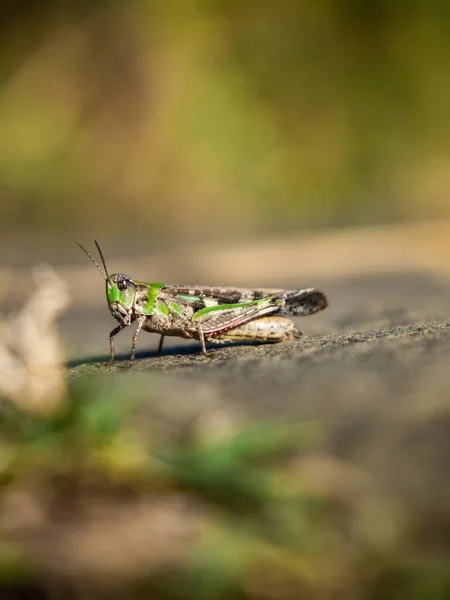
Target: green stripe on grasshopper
(163,308)
(189,298)
(176,309)
(208,309)
(153,290)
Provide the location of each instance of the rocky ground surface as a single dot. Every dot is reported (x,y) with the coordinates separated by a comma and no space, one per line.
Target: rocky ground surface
(372,370)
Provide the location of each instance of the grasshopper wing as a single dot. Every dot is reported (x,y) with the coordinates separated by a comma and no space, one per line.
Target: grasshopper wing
(299,303)
(213,319)
(212,295)
(290,302)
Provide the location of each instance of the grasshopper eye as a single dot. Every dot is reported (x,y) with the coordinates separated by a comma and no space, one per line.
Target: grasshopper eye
(123,282)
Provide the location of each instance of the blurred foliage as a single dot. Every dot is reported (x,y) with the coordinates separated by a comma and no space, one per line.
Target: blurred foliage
(123,497)
(221,116)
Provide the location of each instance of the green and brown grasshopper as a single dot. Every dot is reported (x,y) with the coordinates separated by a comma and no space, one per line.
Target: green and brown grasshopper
(205,313)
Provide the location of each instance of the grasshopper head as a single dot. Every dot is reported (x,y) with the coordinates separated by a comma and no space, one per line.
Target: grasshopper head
(120,289)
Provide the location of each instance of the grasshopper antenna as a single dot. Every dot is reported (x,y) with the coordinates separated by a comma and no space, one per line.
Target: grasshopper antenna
(105,277)
(102,257)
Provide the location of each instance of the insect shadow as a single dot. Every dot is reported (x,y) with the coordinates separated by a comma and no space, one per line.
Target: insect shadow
(169,350)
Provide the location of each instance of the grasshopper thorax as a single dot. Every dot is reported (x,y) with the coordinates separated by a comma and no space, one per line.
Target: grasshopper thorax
(120,289)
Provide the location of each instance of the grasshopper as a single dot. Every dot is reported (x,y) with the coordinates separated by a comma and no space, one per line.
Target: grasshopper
(205,313)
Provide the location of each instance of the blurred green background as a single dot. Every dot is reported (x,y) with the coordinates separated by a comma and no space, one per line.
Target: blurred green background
(155,124)
(183,119)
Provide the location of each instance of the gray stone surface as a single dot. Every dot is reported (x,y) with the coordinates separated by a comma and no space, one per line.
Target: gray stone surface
(373,373)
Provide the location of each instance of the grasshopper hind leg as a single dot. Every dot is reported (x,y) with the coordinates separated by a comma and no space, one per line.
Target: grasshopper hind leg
(268,329)
(201,337)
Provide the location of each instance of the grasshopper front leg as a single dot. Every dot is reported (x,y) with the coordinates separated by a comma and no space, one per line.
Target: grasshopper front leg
(139,323)
(113,333)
